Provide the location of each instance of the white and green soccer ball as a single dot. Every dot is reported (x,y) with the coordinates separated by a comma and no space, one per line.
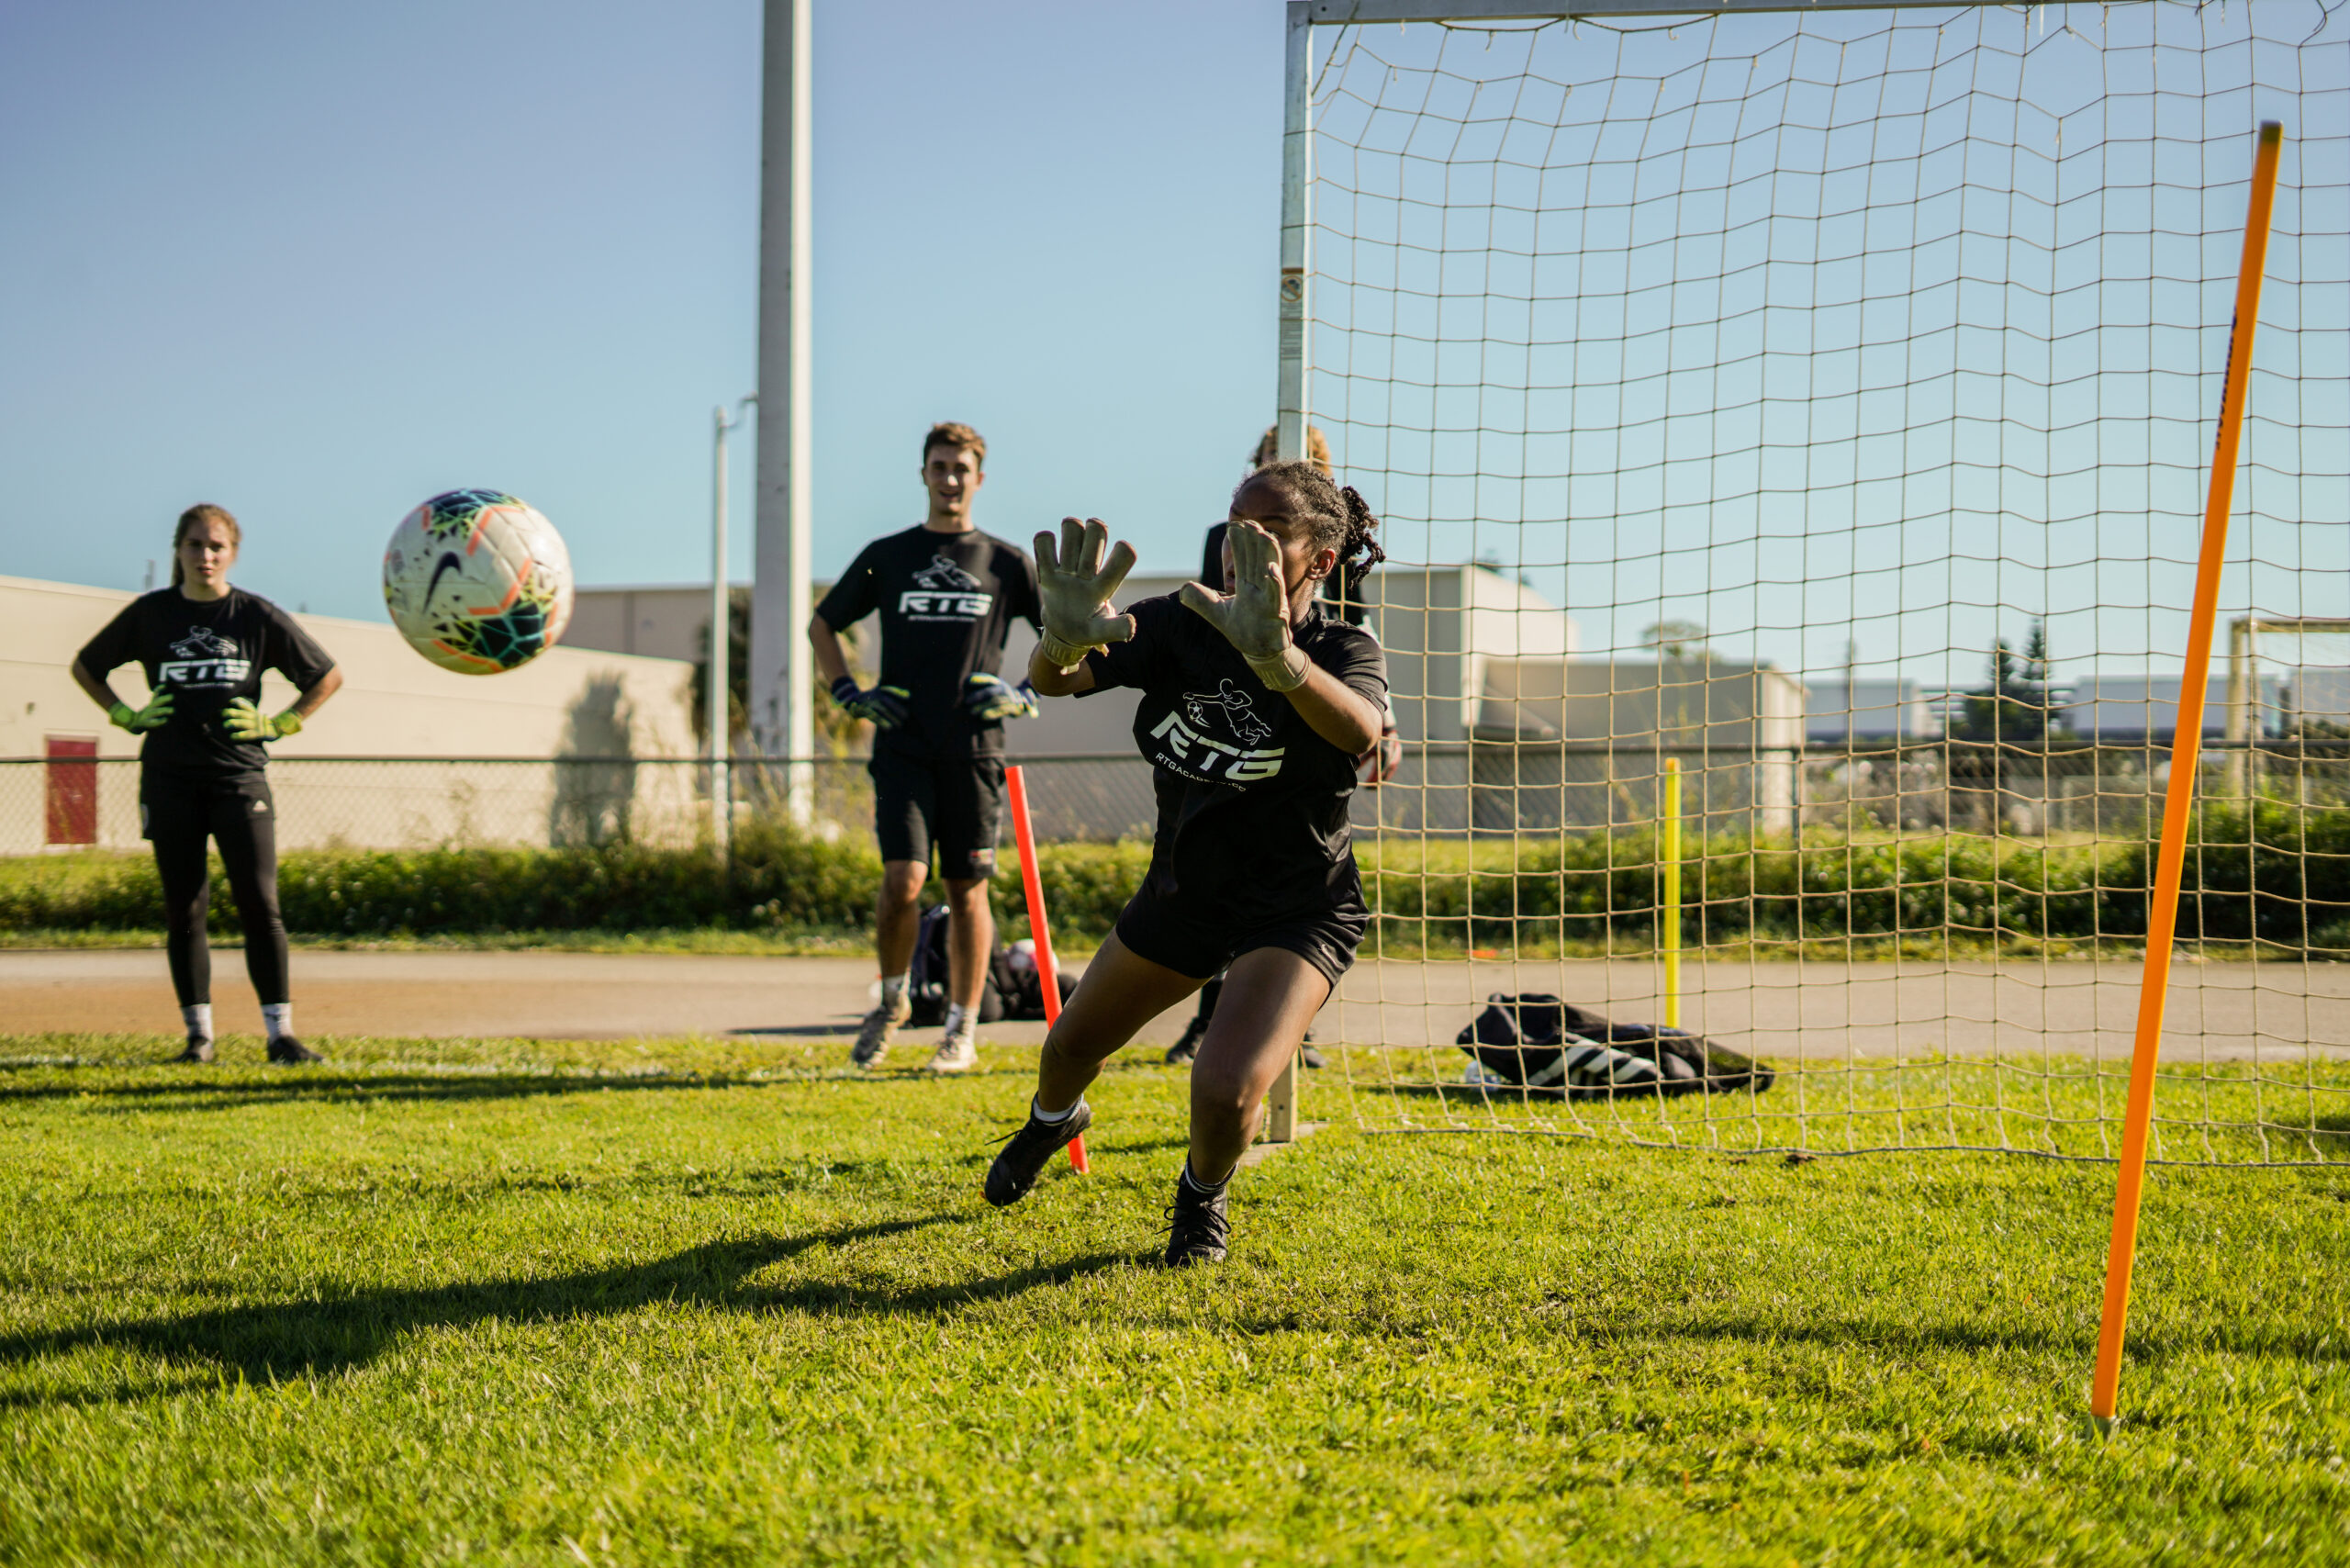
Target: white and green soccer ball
(478,582)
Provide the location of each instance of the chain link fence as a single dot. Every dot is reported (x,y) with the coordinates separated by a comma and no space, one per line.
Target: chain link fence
(1458,790)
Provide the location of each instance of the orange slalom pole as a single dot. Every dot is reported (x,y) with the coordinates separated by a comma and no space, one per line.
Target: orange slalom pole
(2162,908)
(1033,885)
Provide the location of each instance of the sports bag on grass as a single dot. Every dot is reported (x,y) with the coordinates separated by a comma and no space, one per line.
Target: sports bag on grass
(1010,991)
(1538,1043)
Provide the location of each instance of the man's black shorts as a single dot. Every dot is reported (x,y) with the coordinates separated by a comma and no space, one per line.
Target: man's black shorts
(953,803)
(1200,945)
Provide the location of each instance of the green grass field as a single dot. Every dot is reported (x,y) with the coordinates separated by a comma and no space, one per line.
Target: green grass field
(668,1301)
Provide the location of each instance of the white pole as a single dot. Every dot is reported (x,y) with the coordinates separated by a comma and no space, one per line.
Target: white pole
(1289,422)
(781,721)
(714,704)
(1297,175)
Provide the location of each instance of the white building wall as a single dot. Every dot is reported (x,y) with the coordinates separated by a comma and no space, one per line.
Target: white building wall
(568,701)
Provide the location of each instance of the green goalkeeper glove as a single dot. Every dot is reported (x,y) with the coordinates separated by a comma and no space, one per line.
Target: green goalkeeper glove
(138,721)
(246,722)
(1074,584)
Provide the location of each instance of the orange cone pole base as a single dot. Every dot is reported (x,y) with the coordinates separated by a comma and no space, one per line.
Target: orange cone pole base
(1034,887)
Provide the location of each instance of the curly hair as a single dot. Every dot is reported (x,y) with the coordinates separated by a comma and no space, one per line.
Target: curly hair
(1268,449)
(1336,516)
(201,512)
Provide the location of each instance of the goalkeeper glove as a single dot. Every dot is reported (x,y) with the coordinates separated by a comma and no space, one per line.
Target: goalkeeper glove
(247,723)
(991,697)
(140,720)
(884,707)
(1074,584)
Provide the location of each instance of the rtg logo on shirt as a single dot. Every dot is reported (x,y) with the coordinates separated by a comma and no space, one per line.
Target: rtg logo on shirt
(943,591)
(203,657)
(1188,746)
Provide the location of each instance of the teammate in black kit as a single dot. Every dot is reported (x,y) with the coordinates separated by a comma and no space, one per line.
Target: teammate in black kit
(1255,705)
(947,594)
(204,645)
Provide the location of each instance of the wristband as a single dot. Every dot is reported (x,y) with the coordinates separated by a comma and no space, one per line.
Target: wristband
(1064,656)
(120,715)
(1284,671)
(288,723)
(845,691)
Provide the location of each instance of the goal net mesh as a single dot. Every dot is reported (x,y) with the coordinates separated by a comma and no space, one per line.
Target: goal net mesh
(1819,407)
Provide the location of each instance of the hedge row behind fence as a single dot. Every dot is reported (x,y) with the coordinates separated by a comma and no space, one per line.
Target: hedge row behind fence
(2278,873)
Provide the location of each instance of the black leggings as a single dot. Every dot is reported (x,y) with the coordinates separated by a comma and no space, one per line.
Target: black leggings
(239,816)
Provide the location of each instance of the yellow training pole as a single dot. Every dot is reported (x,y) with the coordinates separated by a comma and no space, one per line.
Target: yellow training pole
(1670,849)
(2162,906)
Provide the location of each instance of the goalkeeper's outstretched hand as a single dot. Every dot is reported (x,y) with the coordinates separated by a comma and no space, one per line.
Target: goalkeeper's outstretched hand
(884,707)
(138,721)
(993,697)
(247,723)
(1075,586)
(1254,617)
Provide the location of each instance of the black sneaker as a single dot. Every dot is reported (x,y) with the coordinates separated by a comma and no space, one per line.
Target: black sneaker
(1186,1047)
(1027,1152)
(198,1049)
(1311,1057)
(1197,1228)
(287,1051)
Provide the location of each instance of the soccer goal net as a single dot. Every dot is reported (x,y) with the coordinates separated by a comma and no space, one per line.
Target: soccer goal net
(1791,431)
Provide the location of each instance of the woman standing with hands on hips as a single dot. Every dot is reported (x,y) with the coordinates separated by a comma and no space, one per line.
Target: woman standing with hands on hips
(1255,705)
(201,767)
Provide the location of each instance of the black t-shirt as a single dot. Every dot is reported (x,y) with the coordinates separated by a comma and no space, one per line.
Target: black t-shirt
(1252,803)
(207,655)
(947,601)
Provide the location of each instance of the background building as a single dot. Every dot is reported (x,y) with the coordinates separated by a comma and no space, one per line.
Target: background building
(68,779)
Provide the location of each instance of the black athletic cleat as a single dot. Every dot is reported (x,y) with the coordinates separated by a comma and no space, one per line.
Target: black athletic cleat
(198,1049)
(1186,1047)
(1197,1228)
(1025,1154)
(287,1051)
(1311,1057)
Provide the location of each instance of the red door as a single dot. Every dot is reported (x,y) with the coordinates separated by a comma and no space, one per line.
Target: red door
(73,790)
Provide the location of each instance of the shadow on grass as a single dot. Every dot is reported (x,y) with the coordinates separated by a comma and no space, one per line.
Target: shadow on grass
(209,1093)
(268,1343)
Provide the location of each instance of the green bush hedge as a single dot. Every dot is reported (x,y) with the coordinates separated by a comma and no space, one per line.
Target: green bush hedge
(2278,873)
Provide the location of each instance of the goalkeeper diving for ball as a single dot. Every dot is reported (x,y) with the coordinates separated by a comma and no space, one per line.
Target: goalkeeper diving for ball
(946,593)
(1255,705)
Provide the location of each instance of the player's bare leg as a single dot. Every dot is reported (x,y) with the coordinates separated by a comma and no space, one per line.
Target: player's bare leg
(1269,999)
(1271,995)
(1120,993)
(971,937)
(896,921)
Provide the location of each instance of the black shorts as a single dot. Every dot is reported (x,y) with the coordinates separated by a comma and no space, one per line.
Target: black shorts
(1200,945)
(953,803)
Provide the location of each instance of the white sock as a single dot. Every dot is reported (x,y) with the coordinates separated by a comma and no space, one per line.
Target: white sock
(1205,1189)
(957,1021)
(893,990)
(1053,1118)
(277,1018)
(198,1016)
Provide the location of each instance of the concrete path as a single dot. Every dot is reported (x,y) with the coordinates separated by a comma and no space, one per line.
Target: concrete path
(1781,1011)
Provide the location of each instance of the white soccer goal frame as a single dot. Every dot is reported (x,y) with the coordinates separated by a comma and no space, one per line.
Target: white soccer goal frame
(1295,285)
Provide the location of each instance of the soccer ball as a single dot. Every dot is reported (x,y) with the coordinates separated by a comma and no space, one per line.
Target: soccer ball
(478,582)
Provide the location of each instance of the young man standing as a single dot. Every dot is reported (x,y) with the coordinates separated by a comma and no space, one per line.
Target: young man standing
(946,593)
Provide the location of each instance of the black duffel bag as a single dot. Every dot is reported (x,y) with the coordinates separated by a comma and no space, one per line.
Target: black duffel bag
(1540,1044)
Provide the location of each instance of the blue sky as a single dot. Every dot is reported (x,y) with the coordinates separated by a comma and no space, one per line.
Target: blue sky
(316,262)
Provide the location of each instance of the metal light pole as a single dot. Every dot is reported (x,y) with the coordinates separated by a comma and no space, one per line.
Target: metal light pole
(722,634)
(781,720)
